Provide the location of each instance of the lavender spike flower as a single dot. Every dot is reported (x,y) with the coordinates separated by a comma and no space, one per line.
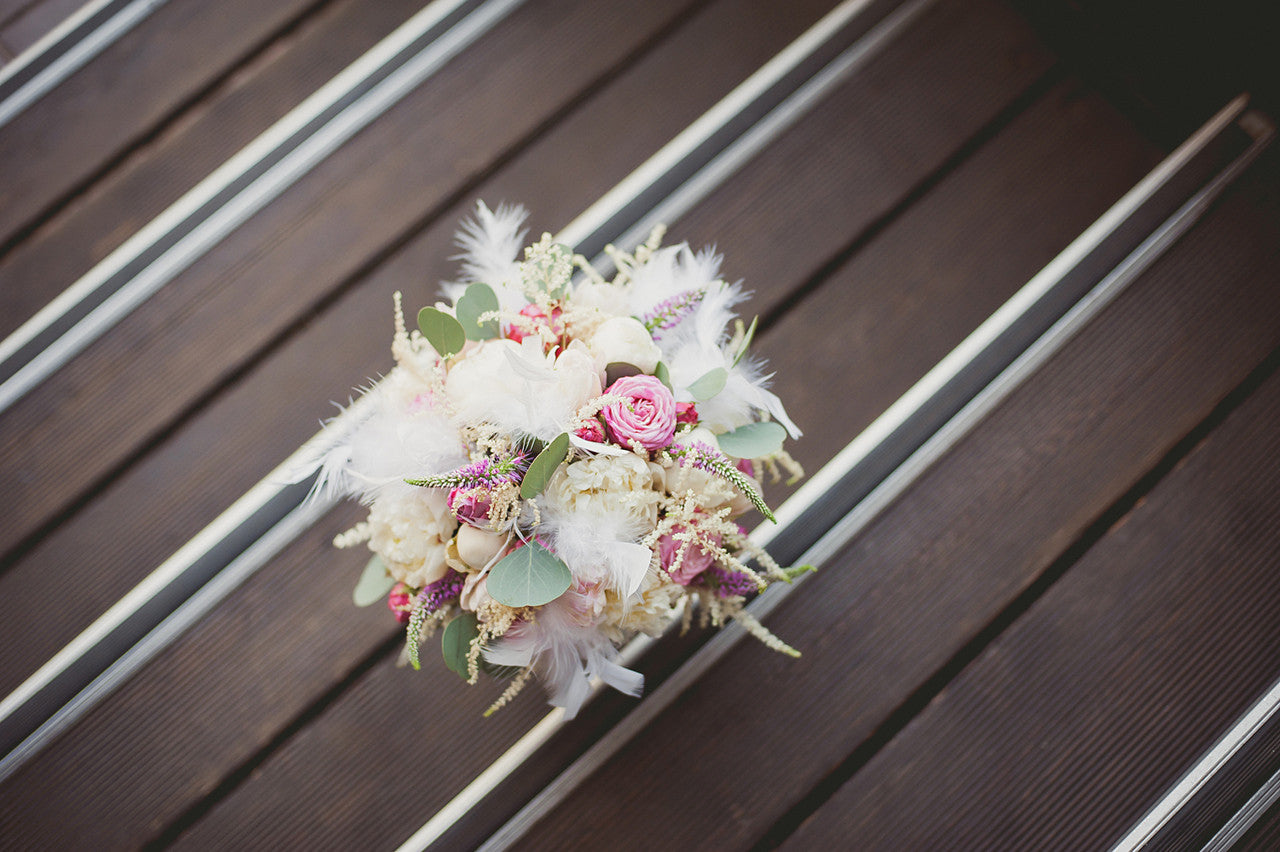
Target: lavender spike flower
(731,583)
(485,472)
(705,457)
(670,311)
(430,600)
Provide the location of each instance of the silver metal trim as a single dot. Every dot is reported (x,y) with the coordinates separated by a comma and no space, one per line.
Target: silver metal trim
(1242,820)
(73,58)
(927,455)
(581,228)
(1186,788)
(248,201)
(191,611)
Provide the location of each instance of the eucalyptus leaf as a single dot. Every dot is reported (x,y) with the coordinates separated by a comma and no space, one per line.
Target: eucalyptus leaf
(709,384)
(442,331)
(455,642)
(529,576)
(374,583)
(746,340)
(479,299)
(753,440)
(615,370)
(663,374)
(542,468)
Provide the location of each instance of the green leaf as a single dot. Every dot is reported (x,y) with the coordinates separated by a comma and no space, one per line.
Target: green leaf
(529,576)
(542,468)
(374,583)
(753,440)
(455,643)
(709,384)
(442,331)
(662,374)
(615,370)
(477,301)
(746,340)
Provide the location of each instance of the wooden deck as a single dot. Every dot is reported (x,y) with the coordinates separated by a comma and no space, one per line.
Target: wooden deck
(1026,646)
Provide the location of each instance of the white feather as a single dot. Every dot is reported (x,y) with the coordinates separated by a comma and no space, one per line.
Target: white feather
(490,243)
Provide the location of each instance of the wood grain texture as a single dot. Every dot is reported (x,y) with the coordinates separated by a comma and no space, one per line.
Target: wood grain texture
(195,334)
(158,173)
(301,779)
(948,556)
(126,92)
(191,475)
(1073,723)
(340,349)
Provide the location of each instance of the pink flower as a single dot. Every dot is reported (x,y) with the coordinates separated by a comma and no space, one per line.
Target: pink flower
(399,603)
(646,414)
(470,505)
(686,412)
(591,431)
(695,561)
(538,318)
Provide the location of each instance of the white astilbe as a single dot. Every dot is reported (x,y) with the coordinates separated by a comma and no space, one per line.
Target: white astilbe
(490,243)
(566,653)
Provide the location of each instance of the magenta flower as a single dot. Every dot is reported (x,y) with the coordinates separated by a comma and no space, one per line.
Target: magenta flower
(593,431)
(646,414)
(686,412)
(399,602)
(470,505)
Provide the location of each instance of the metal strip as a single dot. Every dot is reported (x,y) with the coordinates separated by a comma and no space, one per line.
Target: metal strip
(1244,818)
(1185,790)
(220,203)
(59,53)
(255,506)
(897,483)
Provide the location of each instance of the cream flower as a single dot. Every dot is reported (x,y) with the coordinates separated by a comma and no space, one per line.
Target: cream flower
(626,340)
(647,612)
(603,486)
(411,531)
(520,389)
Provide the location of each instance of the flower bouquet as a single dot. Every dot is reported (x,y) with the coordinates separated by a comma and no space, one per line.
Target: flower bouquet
(558,462)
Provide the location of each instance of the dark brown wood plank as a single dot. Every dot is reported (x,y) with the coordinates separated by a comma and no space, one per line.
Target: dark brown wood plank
(1264,836)
(302,778)
(975,531)
(151,178)
(122,95)
(988,25)
(36,21)
(269,431)
(1075,721)
(199,330)
(207,674)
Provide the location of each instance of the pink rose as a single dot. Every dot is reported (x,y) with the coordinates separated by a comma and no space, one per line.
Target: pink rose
(646,415)
(695,561)
(470,505)
(686,412)
(592,431)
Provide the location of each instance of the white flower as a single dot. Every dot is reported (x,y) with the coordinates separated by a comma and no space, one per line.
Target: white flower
(411,531)
(476,547)
(626,340)
(521,390)
(603,487)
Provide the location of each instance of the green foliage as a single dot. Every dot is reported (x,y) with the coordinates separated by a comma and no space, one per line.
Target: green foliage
(529,576)
(455,643)
(753,441)
(478,300)
(544,466)
(374,583)
(443,332)
(706,386)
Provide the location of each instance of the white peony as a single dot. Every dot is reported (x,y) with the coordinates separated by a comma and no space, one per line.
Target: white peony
(411,530)
(605,486)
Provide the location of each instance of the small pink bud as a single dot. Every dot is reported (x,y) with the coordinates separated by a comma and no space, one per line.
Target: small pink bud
(399,602)
(686,412)
(593,430)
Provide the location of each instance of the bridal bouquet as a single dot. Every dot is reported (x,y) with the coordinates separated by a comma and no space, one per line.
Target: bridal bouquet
(558,462)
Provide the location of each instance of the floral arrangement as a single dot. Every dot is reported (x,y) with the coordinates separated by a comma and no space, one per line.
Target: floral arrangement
(558,462)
